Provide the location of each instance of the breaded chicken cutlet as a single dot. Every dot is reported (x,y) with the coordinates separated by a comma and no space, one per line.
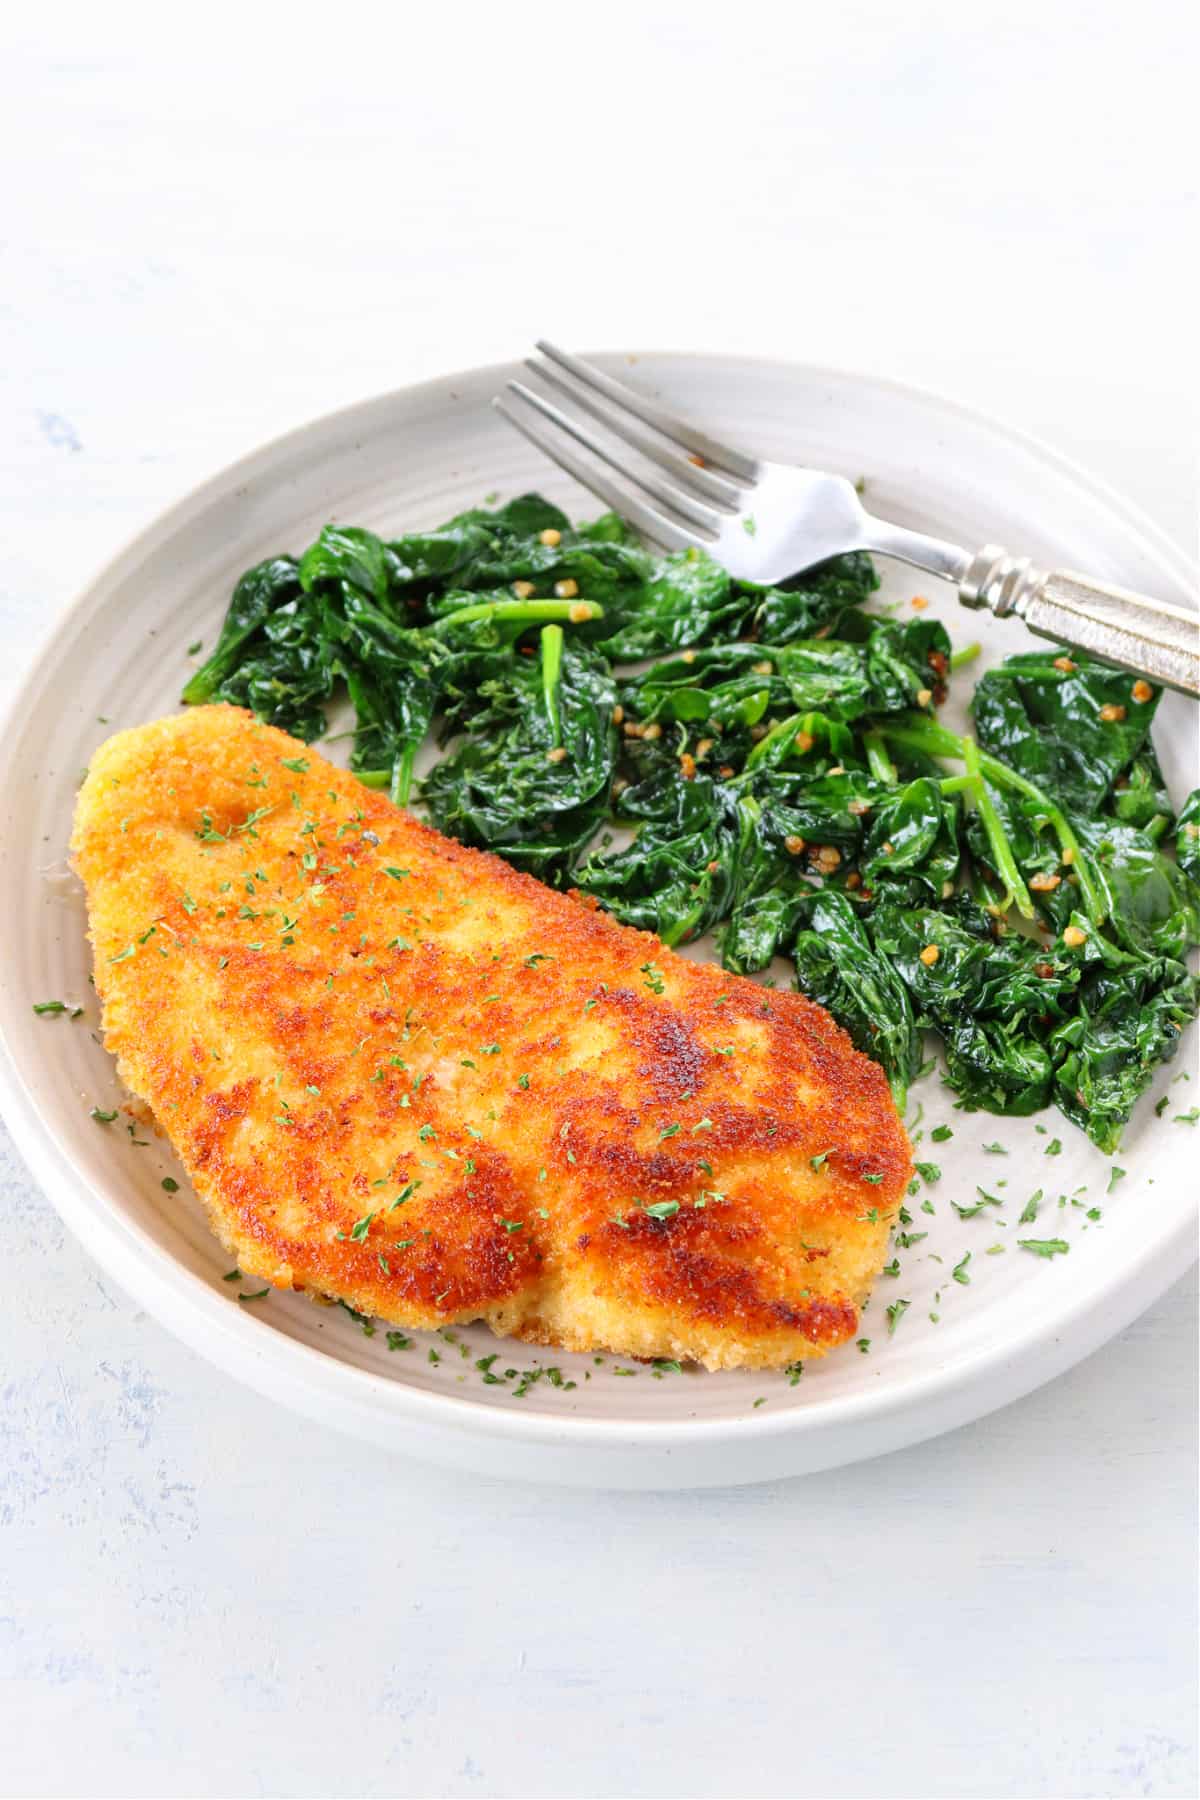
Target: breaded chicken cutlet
(404,1075)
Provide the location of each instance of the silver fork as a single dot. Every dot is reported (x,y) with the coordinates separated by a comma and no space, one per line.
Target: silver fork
(767,520)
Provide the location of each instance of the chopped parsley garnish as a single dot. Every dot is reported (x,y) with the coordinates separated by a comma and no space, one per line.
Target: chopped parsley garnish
(1045,1246)
(969,1212)
(895,1313)
(654,978)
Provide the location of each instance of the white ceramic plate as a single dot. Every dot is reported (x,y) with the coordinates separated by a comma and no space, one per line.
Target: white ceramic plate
(411,459)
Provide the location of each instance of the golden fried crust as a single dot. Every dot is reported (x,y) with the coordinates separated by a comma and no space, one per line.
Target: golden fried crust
(403,1074)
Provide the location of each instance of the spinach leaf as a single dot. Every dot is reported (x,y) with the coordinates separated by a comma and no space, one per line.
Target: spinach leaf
(1063,721)
(1132,1011)
(675,877)
(393,675)
(536,787)
(261,591)
(686,601)
(1187,835)
(836,965)
(813,604)
(906,664)
(769,889)
(717,689)
(1140,797)
(1152,903)
(913,834)
(995,1064)
(349,559)
(289,671)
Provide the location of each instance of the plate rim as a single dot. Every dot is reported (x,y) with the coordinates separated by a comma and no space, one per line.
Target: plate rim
(976,1384)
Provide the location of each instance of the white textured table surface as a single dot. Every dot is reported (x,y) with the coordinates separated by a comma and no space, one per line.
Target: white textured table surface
(209,239)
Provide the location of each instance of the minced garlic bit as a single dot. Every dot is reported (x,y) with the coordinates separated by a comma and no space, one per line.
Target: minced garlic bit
(1068,855)
(687,766)
(632,729)
(758,732)
(826,858)
(1044,884)
(804,742)
(550,536)
(688,656)
(854,879)
(857,807)
(1112,715)
(522,589)
(712,867)
(924,696)
(579,613)
(762,668)
(837,769)
(918,603)
(793,844)
(1065,664)
(1073,936)
(703,748)
(556,756)
(929,955)
(568,589)
(725,771)
(618,715)
(651,731)
(1141,691)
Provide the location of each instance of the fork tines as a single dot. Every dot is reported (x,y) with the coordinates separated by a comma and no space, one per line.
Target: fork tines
(690,508)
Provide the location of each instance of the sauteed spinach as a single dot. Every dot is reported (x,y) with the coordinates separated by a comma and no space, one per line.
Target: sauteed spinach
(1027,892)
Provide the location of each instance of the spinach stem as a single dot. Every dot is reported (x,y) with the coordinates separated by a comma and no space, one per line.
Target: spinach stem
(960,658)
(785,727)
(526,612)
(552,651)
(920,733)
(1003,859)
(402,775)
(878,761)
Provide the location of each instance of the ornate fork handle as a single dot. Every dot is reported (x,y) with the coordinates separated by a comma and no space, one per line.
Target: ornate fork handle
(1159,641)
